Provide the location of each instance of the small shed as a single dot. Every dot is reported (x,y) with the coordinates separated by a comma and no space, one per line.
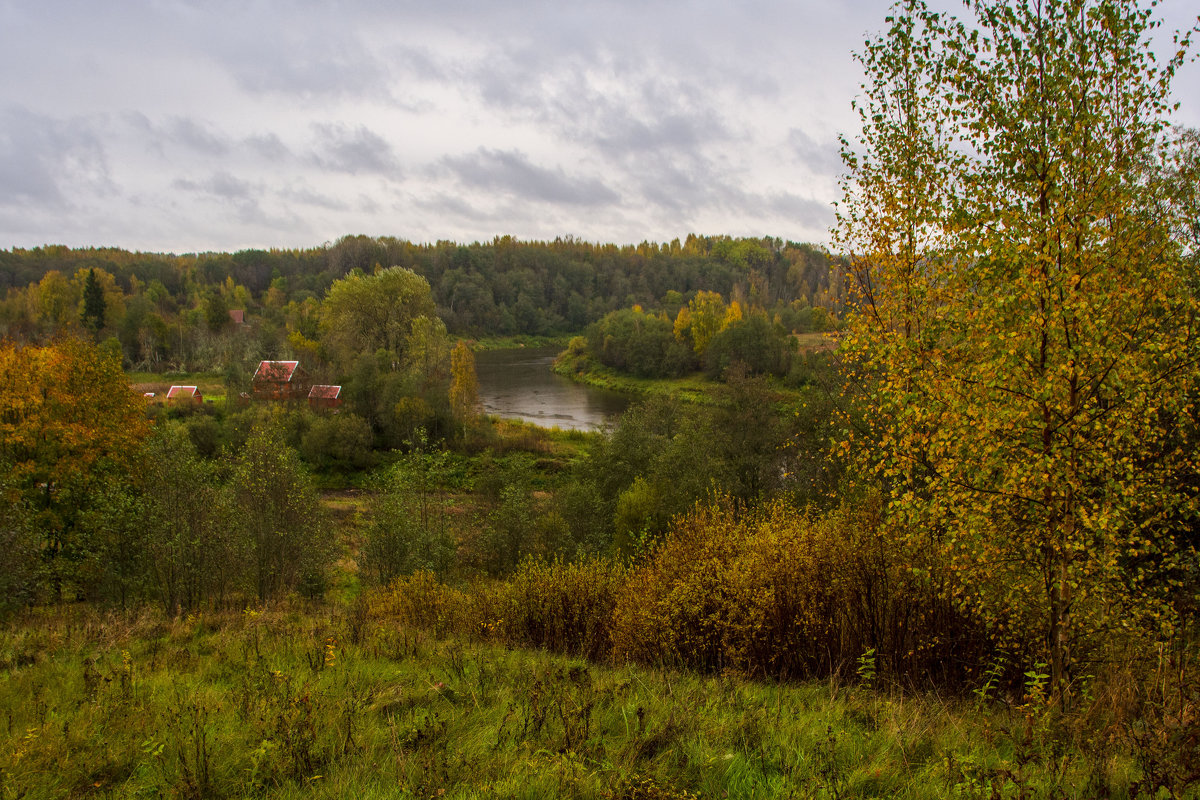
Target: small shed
(183,395)
(324,396)
(280,380)
(237,316)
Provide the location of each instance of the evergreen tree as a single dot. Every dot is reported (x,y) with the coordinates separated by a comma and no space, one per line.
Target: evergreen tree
(93,303)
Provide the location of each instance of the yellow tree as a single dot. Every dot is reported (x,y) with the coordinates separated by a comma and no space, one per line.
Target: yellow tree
(464,384)
(68,423)
(1023,326)
(701,320)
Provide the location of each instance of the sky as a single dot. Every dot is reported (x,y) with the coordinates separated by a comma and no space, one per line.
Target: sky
(215,125)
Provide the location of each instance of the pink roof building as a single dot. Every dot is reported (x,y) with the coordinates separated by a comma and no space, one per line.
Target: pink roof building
(279,380)
(184,394)
(324,396)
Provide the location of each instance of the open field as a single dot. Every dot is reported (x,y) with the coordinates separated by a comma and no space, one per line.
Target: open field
(340,701)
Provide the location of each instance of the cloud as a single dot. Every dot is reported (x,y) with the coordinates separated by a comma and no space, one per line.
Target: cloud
(511,172)
(822,158)
(268,147)
(310,69)
(221,185)
(311,197)
(354,151)
(46,160)
(197,136)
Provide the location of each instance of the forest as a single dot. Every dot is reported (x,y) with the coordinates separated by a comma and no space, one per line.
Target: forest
(170,312)
(923,523)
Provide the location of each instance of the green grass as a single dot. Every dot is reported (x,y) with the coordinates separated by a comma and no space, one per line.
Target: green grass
(510,342)
(210,384)
(695,388)
(330,701)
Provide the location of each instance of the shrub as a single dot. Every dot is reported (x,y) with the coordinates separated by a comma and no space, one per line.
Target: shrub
(561,606)
(780,594)
(279,514)
(19,559)
(338,441)
(423,602)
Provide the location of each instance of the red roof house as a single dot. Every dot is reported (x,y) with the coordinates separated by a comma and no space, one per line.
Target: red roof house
(280,380)
(184,394)
(324,396)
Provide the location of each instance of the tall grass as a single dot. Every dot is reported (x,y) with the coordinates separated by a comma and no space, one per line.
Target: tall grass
(336,702)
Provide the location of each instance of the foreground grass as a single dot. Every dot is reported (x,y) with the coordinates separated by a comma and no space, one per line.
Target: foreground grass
(331,702)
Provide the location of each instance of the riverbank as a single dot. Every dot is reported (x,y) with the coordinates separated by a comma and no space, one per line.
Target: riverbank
(696,388)
(575,363)
(514,342)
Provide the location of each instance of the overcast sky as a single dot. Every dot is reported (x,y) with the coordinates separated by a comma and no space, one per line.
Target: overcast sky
(180,126)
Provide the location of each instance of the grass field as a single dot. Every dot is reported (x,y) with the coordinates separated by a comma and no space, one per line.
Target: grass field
(334,701)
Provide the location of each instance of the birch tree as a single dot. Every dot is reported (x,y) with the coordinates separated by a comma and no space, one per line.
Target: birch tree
(1022,317)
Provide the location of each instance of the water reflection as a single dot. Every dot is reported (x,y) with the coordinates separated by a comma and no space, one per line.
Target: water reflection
(518,384)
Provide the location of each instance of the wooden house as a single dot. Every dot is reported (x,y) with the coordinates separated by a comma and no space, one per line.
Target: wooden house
(183,395)
(323,396)
(280,380)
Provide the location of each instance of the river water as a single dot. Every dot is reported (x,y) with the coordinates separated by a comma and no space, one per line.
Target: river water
(519,384)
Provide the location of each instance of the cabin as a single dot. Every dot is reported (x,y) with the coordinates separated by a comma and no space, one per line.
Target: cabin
(280,380)
(183,395)
(323,396)
(237,316)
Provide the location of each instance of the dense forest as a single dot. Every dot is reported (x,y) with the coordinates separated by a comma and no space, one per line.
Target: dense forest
(170,311)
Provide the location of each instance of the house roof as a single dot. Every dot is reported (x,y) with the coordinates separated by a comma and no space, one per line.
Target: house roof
(323,392)
(182,391)
(276,370)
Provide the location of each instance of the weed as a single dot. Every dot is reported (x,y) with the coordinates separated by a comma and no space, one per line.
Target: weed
(191,747)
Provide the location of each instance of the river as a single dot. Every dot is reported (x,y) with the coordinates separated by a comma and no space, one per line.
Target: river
(519,384)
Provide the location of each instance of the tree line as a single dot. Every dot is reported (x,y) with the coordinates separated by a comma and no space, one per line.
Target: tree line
(172,311)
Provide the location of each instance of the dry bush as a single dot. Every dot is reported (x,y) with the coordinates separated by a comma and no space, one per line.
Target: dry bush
(782,594)
(422,602)
(562,606)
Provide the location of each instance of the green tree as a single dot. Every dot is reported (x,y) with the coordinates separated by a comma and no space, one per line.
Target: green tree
(279,513)
(69,426)
(366,313)
(93,303)
(1022,322)
(464,384)
(409,529)
(194,553)
(19,561)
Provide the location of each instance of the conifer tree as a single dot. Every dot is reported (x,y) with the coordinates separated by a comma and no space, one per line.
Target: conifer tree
(93,303)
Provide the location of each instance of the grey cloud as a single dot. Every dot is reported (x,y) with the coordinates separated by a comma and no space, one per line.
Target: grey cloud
(221,185)
(821,157)
(310,197)
(513,173)
(453,206)
(197,136)
(805,211)
(316,54)
(268,147)
(367,205)
(43,160)
(241,199)
(301,74)
(353,150)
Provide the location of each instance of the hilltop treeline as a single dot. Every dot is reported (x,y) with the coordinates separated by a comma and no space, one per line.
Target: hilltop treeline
(166,307)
